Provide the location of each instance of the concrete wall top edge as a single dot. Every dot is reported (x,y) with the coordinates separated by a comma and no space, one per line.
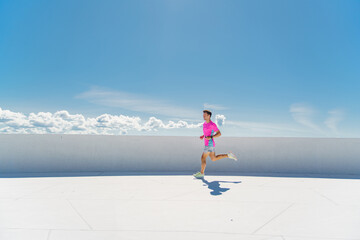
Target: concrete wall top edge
(196,136)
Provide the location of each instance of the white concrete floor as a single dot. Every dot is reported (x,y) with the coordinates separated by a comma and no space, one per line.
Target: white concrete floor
(179,207)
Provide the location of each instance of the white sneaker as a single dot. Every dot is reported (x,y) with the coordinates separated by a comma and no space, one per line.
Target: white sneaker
(232,156)
(199,175)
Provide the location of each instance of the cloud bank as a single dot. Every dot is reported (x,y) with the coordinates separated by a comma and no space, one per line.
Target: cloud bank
(66,123)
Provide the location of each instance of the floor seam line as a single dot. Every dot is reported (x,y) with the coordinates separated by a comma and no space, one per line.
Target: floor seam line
(329,199)
(284,210)
(79,214)
(48,236)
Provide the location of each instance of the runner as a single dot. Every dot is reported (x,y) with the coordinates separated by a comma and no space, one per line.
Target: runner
(211,131)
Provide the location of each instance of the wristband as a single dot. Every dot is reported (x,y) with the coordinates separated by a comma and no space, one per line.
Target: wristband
(211,137)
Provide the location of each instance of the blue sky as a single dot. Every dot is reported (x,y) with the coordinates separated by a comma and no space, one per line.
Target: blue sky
(265,68)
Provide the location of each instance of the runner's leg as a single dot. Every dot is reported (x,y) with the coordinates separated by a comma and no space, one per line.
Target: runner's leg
(217,157)
(203,161)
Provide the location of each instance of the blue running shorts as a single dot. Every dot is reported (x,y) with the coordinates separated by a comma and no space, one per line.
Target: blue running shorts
(209,149)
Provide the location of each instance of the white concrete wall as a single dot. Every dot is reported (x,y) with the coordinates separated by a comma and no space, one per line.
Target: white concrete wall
(93,153)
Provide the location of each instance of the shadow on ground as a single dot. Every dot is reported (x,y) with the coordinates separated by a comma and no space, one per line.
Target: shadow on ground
(215,186)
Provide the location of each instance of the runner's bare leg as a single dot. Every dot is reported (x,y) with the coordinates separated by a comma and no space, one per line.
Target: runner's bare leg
(217,157)
(203,161)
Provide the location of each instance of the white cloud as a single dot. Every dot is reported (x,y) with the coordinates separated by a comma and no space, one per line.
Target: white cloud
(64,122)
(303,114)
(213,107)
(220,120)
(12,119)
(136,102)
(336,115)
